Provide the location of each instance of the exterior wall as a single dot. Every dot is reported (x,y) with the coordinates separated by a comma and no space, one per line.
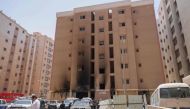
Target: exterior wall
(88,52)
(172,40)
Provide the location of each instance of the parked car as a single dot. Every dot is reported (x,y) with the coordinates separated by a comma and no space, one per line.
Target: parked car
(68,102)
(54,104)
(3,104)
(81,104)
(21,104)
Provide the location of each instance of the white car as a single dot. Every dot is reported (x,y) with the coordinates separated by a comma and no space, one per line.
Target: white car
(81,104)
(21,104)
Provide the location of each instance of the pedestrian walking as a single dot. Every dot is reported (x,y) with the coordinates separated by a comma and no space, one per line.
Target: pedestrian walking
(35,102)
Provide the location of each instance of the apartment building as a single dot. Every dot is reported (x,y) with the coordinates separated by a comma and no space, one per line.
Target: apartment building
(106,49)
(25,59)
(173,27)
(14,41)
(40,83)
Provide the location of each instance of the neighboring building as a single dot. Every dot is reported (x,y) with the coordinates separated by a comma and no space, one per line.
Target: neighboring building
(22,59)
(173,27)
(13,39)
(42,65)
(104,49)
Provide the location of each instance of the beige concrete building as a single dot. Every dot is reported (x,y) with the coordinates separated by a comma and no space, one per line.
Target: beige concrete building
(173,27)
(13,39)
(40,83)
(104,49)
(25,59)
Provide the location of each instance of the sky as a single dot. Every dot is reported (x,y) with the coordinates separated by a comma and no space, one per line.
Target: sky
(40,15)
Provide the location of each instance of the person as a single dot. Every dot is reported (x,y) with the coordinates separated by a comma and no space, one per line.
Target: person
(35,102)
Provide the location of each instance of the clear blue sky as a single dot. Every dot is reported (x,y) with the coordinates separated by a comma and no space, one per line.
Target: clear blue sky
(40,15)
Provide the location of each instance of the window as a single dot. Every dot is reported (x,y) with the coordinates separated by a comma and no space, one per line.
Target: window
(123,51)
(136,36)
(10,24)
(2,58)
(92,16)
(177,53)
(102,56)
(6,40)
(123,37)
(110,39)
(82,28)
(137,50)
(102,86)
(140,65)
(8,32)
(71,20)
(101,17)
(141,80)
(92,40)
(92,28)
(122,11)
(180,26)
(168,9)
(82,17)
(173,30)
(101,30)
(112,82)
(179,65)
(92,82)
(102,70)
(170,19)
(92,53)
(92,67)
(1,67)
(122,24)
(5,49)
(110,26)
(111,52)
(175,41)
(101,43)
(109,13)
(127,81)
(70,42)
(111,66)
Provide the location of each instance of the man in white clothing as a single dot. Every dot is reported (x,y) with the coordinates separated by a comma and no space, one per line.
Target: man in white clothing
(35,102)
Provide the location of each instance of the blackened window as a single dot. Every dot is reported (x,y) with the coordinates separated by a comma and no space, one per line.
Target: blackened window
(92,53)
(110,39)
(92,82)
(102,86)
(110,26)
(111,66)
(92,16)
(92,28)
(102,70)
(92,67)
(112,82)
(92,40)
(111,52)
